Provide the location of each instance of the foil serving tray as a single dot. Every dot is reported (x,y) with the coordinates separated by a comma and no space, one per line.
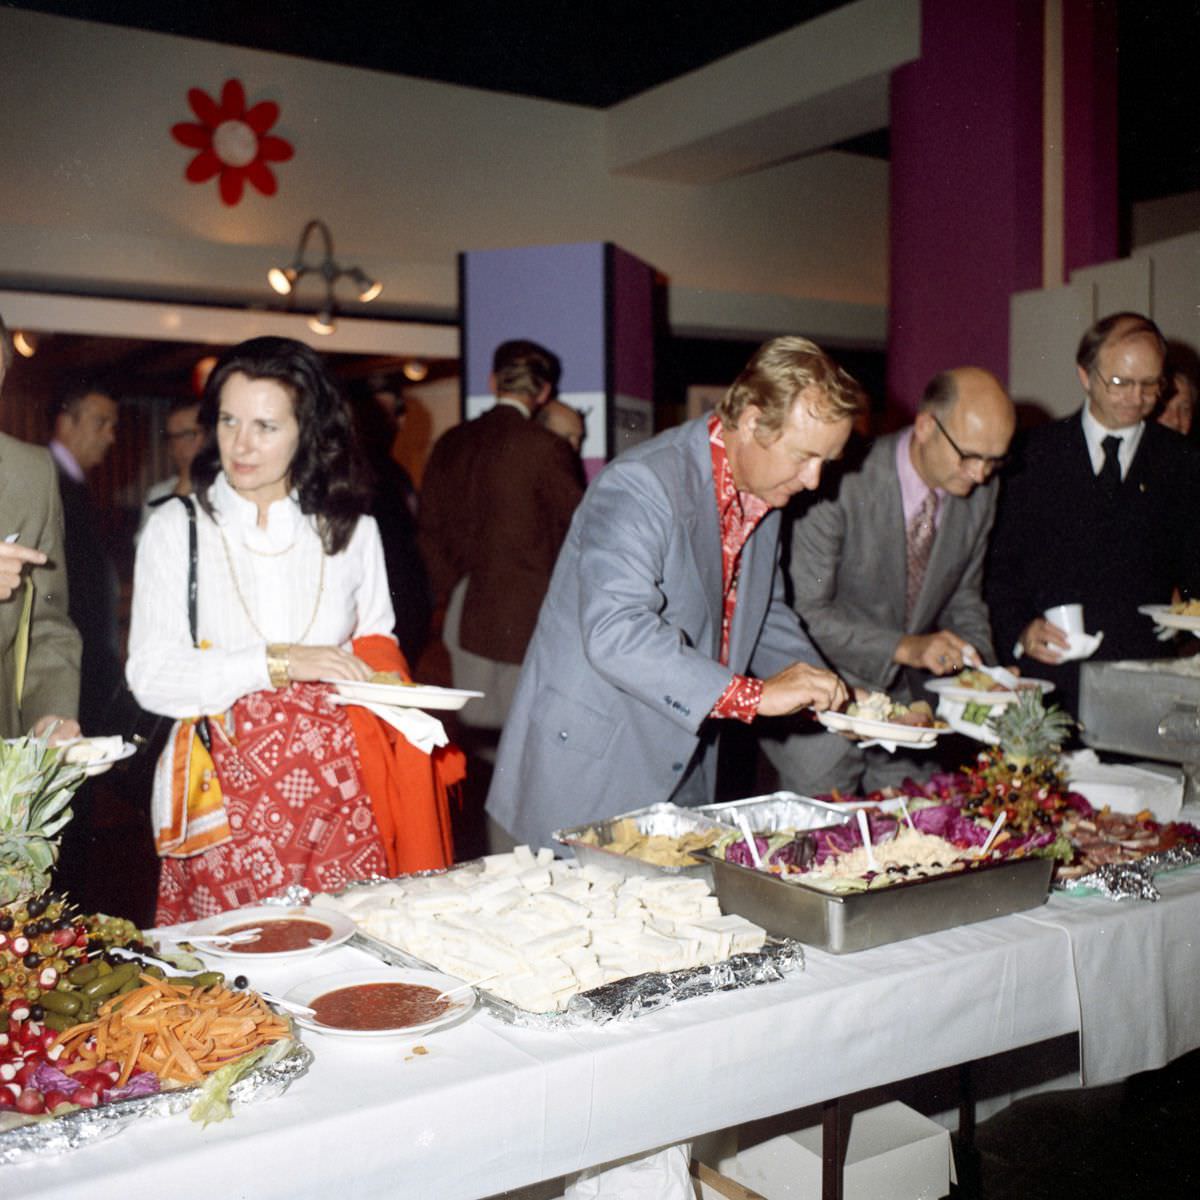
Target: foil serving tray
(777,811)
(860,920)
(667,820)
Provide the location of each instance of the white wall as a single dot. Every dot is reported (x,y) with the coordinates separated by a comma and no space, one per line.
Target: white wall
(407,173)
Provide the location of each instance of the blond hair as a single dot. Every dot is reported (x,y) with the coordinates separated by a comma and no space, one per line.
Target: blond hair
(779,371)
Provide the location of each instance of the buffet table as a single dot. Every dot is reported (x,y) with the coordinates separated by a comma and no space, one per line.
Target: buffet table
(490,1107)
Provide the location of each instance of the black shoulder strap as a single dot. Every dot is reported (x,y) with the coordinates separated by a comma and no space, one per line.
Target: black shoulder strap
(193,555)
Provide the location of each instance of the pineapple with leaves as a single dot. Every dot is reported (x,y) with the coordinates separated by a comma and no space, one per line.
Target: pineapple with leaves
(1022,775)
(36,786)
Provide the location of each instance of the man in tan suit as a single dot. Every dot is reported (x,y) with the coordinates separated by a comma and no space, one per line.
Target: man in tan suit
(34,626)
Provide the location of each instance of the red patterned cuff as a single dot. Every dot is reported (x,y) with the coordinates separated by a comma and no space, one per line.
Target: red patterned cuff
(740,700)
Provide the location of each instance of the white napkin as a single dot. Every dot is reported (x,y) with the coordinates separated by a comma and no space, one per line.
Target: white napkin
(1124,788)
(951,711)
(422,730)
(1083,645)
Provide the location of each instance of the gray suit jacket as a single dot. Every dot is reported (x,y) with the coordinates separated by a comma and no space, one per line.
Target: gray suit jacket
(30,506)
(610,712)
(848,569)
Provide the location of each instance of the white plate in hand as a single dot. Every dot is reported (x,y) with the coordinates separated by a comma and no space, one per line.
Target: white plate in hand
(883,731)
(96,755)
(1162,615)
(955,691)
(457,1005)
(403,695)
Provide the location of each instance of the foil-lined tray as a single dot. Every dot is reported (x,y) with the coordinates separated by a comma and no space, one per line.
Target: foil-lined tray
(630,997)
(633,996)
(778,811)
(85,1126)
(1134,880)
(658,820)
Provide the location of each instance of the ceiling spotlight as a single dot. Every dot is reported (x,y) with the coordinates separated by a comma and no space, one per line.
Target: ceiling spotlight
(25,344)
(415,370)
(284,279)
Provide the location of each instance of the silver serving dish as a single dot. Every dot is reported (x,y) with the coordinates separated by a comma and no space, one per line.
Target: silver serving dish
(781,810)
(666,820)
(860,920)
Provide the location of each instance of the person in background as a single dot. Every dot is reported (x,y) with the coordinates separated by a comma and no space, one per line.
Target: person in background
(665,616)
(85,427)
(887,573)
(1099,510)
(496,500)
(379,417)
(43,699)
(568,423)
(291,595)
(1181,389)
(184,437)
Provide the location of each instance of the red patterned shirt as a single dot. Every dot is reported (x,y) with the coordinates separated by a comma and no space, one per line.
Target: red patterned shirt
(739,514)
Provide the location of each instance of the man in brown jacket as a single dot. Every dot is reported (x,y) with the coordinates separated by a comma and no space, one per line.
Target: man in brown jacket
(496,500)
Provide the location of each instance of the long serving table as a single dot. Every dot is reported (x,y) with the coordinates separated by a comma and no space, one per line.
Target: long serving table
(491,1107)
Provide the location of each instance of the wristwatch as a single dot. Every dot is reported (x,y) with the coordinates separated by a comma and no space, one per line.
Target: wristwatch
(277,665)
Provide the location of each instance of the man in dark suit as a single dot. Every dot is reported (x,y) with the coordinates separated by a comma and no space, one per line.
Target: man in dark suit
(496,500)
(885,612)
(39,647)
(85,427)
(1100,510)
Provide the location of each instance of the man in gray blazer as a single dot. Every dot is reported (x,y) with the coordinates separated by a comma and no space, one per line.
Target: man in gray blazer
(666,613)
(39,647)
(882,625)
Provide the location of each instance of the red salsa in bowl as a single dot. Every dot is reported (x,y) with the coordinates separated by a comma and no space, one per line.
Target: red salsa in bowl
(379,1006)
(278,937)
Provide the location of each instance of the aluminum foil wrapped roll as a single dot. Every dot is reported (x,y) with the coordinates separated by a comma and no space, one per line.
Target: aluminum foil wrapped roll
(1135,880)
(56,1135)
(640,994)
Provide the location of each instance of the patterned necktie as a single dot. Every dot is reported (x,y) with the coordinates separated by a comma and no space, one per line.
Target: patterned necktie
(919,541)
(1110,472)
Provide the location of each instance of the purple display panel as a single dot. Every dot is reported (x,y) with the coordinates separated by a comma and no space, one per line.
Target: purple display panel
(966,189)
(550,294)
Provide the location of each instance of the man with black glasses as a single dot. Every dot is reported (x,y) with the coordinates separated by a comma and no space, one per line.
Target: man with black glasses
(1100,511)
(887,573)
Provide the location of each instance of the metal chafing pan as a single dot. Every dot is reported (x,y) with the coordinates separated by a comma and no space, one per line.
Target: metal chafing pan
(667,820)
(860,920)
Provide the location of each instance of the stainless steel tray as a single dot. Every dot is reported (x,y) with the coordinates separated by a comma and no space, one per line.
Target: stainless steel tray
(860,920)
(668,820)
(779,810)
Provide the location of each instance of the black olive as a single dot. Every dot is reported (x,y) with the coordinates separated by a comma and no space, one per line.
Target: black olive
(241,982)
(36,1012)
(6,922)
(37,906)
(31,960)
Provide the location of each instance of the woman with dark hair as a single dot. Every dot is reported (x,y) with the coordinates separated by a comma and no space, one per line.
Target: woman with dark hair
(266,780)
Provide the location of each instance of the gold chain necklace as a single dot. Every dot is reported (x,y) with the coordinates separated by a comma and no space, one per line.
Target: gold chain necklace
(246,608)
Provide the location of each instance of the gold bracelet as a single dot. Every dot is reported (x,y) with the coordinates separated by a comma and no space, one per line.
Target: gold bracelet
(277,665)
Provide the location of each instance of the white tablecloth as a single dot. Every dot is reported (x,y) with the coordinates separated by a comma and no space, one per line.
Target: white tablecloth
(492,1107)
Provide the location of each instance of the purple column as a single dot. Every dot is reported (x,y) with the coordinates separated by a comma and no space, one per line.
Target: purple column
(966,189)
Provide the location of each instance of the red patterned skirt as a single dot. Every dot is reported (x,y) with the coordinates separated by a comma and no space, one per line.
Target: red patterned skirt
(296,803)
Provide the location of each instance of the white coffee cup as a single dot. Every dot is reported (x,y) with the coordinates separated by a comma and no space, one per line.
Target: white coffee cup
(1068,617)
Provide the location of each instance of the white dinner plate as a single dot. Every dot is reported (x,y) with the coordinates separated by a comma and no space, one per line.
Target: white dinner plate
(1162,615)
(955,691)
(884,731)
(307,992)
(340,926)
(94,756)
(403,695)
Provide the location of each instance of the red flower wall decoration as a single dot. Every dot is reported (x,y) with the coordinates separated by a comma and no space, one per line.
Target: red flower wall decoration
(232,141)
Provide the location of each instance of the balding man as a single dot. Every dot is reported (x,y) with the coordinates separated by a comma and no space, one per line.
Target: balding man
(1100,510)
(887,573)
